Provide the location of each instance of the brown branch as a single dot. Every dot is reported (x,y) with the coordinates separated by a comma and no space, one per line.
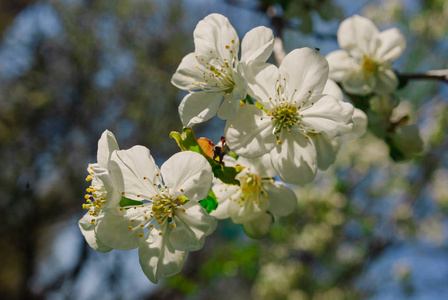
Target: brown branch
(438,75)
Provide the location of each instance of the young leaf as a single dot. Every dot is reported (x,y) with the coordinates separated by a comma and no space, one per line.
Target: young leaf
(210,203)
(188,142)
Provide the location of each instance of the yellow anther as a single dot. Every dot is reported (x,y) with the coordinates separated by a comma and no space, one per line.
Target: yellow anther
(121,208)
(92,221)
(87,196)
(160,233)
(140,235)
(130,227)
(132,221)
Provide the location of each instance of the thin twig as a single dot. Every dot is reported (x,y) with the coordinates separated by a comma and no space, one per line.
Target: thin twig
(439,75)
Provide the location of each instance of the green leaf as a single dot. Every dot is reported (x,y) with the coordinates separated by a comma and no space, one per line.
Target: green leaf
(210,203)
(188,142)
(129,202)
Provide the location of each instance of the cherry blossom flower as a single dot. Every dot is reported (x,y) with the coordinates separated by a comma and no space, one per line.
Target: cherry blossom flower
(294,106)
(100,194)
(163,215)
(213,71)
(249,203)
(365,64)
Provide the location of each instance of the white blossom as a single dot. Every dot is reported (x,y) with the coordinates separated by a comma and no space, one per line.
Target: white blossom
(257,197)
(213,72)
(294,107)
(100,194)
(365,64)
(165,220)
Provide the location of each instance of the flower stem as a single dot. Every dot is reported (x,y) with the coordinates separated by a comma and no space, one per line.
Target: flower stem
(249,99)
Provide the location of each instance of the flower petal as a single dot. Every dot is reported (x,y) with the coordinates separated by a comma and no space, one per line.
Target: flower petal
(157,256)
(261,78)
(306,72)
(106,145)
(257,44)
(199,107)
(357,34)
(359,119)
(258,227)
(246,209)
(328,115)
(229,106)
(326,150)
(250,132)
(134,173)
(358,84)
(88,231)
(295,159)
(223,192)
(282,198)
(192,226)
(331,88)
(215,35)
(340,64)
(113,229)
(393,44)
(188,173)
(189,73)
(386,82)
(260,166)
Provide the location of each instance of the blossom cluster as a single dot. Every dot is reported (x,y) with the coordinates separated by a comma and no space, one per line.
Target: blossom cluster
(288,121)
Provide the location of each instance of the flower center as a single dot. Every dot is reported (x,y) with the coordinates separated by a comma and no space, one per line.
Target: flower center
(251,190)
(223,77)
(369,66)
(285,116)
(156,212)
(217,72)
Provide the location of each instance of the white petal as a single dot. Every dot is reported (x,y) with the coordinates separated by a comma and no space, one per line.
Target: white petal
(189,174)
(250,132)
(282,198)
(295,159)
(189,73)
(199,107)
(340,64)
(229,106)
(326,150)
(157,256)
(257,44)
(106,145)
(331,88)
(357,33)
(306,71)
(215,33)
(358,84)
(393,44)
(88,231)
(113,229)
(192,226)
(260,166)
(359,119)
(223,192)
(258,227)
(261,78)
(328,115)
(129,168)
(386,82)
(245,210)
